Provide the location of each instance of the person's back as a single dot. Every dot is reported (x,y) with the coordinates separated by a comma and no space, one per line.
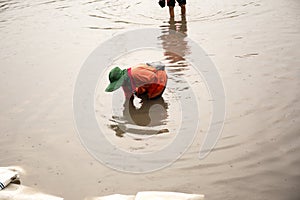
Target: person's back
(149,80)
(143,80)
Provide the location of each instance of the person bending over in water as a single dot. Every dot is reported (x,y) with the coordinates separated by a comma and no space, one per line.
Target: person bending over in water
(171,4)
(146,81)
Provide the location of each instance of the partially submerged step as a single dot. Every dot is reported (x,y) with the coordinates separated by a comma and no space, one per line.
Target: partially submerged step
(114,197)
(152,195)
(167,196)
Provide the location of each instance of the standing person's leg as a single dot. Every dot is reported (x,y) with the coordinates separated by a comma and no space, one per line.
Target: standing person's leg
(171,11)
(171,4)
(182,5)
(183,9)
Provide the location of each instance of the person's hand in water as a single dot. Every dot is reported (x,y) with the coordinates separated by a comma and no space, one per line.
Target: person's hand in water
(137,102)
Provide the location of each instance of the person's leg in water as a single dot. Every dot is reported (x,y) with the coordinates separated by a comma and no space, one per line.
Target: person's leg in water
(171,4)
(182,5)
(171,11)
(183,9)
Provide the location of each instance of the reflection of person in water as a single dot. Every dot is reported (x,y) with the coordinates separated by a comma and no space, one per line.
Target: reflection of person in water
(175,45)
(147,80)
(152,113)
(143,116)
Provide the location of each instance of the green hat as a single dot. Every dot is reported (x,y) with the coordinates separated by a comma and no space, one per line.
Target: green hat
(116,78)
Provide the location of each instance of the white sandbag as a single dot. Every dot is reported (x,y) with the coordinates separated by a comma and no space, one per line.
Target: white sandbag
(152,195)
(7,176)
(113,197)
(20,192)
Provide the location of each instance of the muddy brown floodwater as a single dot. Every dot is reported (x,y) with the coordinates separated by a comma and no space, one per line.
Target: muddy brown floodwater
(254,44)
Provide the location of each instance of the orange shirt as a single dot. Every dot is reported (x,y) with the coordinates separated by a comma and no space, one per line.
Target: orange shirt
(149,80)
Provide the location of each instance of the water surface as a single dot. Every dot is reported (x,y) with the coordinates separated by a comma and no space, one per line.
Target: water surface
(254,45)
